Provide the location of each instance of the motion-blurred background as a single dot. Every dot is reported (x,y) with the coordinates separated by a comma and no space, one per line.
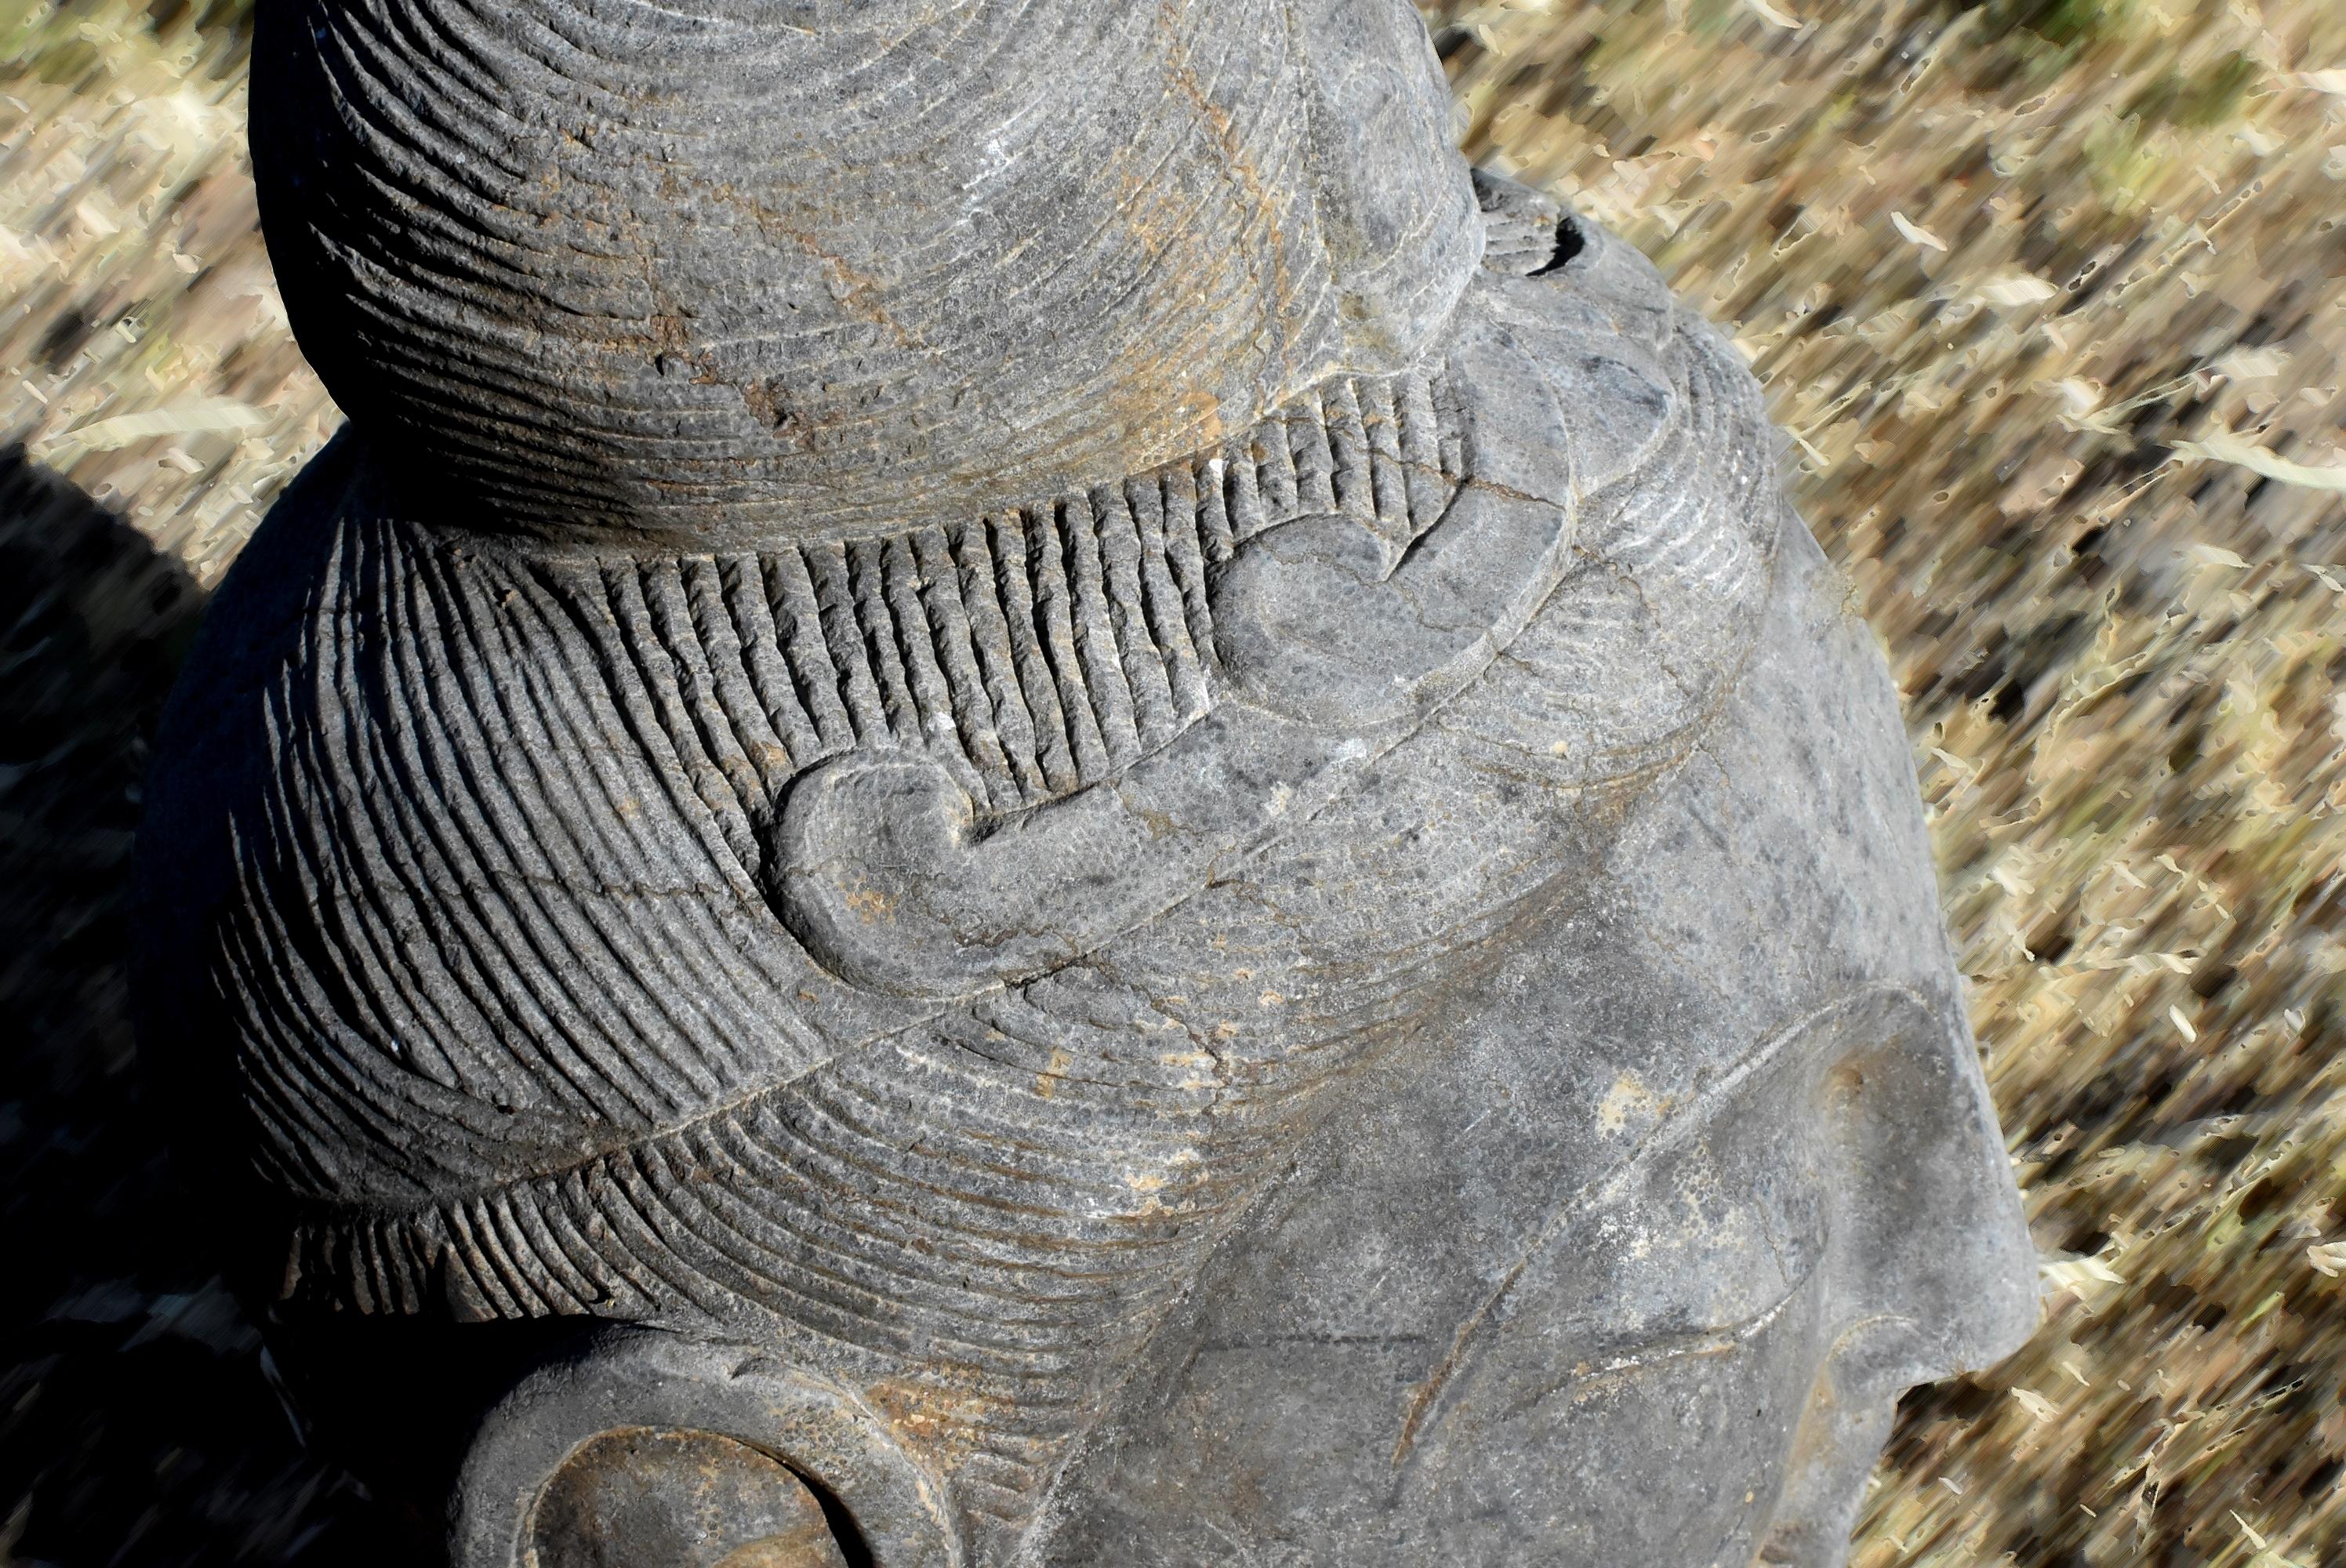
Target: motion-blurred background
(2048,293)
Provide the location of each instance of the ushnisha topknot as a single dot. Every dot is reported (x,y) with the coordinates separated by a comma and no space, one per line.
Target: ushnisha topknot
(718,272)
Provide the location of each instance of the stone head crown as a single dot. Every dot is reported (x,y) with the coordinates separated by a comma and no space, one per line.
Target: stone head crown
(714,272)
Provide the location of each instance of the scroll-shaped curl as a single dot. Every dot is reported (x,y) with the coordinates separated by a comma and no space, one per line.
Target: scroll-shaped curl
(1333,645)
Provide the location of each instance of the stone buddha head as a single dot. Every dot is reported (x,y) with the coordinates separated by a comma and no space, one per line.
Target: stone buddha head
(1021,797)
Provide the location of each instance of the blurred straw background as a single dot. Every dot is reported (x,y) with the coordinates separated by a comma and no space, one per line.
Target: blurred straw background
(2048,293)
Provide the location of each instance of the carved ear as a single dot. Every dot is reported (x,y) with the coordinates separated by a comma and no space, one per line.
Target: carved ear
(646,1448)
(669,1494)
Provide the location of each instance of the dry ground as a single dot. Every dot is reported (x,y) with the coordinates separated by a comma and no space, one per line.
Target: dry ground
(2048,293)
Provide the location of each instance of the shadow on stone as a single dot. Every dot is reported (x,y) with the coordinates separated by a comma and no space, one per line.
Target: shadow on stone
(138,1424)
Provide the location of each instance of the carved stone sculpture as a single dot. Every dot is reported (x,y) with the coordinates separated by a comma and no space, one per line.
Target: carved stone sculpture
(1022,798)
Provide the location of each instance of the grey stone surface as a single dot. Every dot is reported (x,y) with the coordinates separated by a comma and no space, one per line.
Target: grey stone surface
(1120,826)
(629,1495)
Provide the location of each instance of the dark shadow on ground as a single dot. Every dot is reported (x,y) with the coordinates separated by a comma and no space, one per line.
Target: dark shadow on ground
(138,1425)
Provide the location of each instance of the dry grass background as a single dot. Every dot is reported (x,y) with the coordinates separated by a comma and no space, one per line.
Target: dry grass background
(2048,293)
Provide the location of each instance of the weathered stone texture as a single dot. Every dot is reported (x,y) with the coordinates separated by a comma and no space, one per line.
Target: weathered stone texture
(1132,813)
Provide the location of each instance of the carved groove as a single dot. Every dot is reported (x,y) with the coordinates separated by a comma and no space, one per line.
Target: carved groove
(605,286)
(715,681)
(983,1206)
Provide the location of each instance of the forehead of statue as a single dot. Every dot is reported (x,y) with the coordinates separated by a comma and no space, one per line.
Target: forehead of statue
(723,273)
